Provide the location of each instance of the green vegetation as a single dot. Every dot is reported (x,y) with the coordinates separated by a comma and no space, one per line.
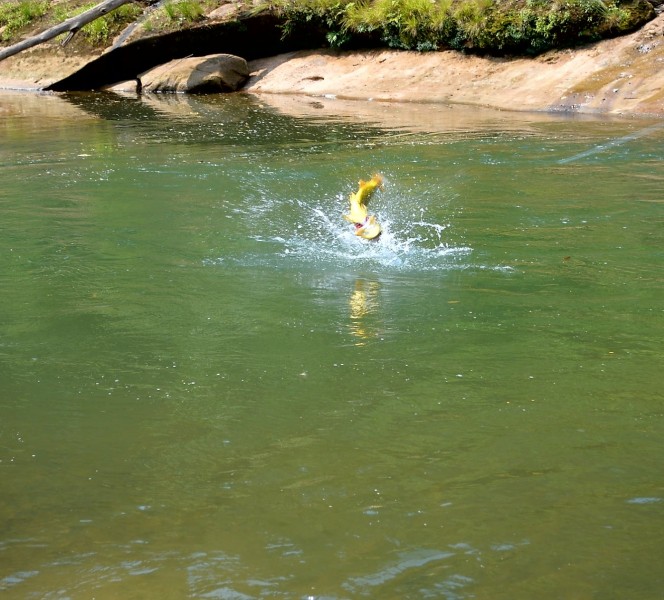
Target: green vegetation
(407,24)
(15,15)
(184,11)
(102,30)
(496,27)
(488,26)
(178,13)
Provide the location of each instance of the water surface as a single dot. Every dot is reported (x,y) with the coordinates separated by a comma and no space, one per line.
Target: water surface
(212,389)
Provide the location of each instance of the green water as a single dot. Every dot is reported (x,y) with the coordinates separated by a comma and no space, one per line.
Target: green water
(209,388)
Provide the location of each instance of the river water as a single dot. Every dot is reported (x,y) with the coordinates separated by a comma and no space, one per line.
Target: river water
(210,388)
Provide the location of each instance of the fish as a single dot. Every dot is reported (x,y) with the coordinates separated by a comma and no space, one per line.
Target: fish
(366,225)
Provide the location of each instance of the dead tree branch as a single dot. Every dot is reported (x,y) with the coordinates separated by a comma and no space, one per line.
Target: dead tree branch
(70,25)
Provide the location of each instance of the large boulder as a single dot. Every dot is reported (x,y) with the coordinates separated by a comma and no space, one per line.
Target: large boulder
(197,75)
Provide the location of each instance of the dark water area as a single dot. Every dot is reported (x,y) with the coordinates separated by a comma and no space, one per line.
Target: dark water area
(210,388)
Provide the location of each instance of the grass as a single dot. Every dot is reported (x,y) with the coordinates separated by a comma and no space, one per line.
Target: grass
(175,14)
(100,31)
(15,16)
(184,11)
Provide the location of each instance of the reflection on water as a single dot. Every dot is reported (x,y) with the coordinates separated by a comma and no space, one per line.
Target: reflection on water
(363,304)
(212,389)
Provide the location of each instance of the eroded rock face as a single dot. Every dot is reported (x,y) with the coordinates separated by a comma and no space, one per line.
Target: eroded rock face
(197,75)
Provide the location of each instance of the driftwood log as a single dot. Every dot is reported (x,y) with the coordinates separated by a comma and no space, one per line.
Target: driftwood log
(70,25)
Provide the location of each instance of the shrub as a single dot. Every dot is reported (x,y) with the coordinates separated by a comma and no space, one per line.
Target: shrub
(407,24)
(484,26)
(325,15)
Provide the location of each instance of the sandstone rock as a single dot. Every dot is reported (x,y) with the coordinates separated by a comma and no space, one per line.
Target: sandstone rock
(197,75)
(124,87)
(227,11)
(579,80)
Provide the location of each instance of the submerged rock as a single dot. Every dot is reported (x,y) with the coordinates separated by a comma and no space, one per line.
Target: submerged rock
(197,75)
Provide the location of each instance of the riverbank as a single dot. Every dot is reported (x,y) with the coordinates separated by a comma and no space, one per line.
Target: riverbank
(619,76)
(623,75)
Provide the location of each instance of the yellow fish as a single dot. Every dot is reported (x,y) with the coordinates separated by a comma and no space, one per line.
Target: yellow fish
(366,225)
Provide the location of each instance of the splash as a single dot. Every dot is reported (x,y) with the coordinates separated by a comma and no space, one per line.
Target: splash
(298,233)
(324,239)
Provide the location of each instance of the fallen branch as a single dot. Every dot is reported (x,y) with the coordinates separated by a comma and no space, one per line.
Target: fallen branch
(70,25)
